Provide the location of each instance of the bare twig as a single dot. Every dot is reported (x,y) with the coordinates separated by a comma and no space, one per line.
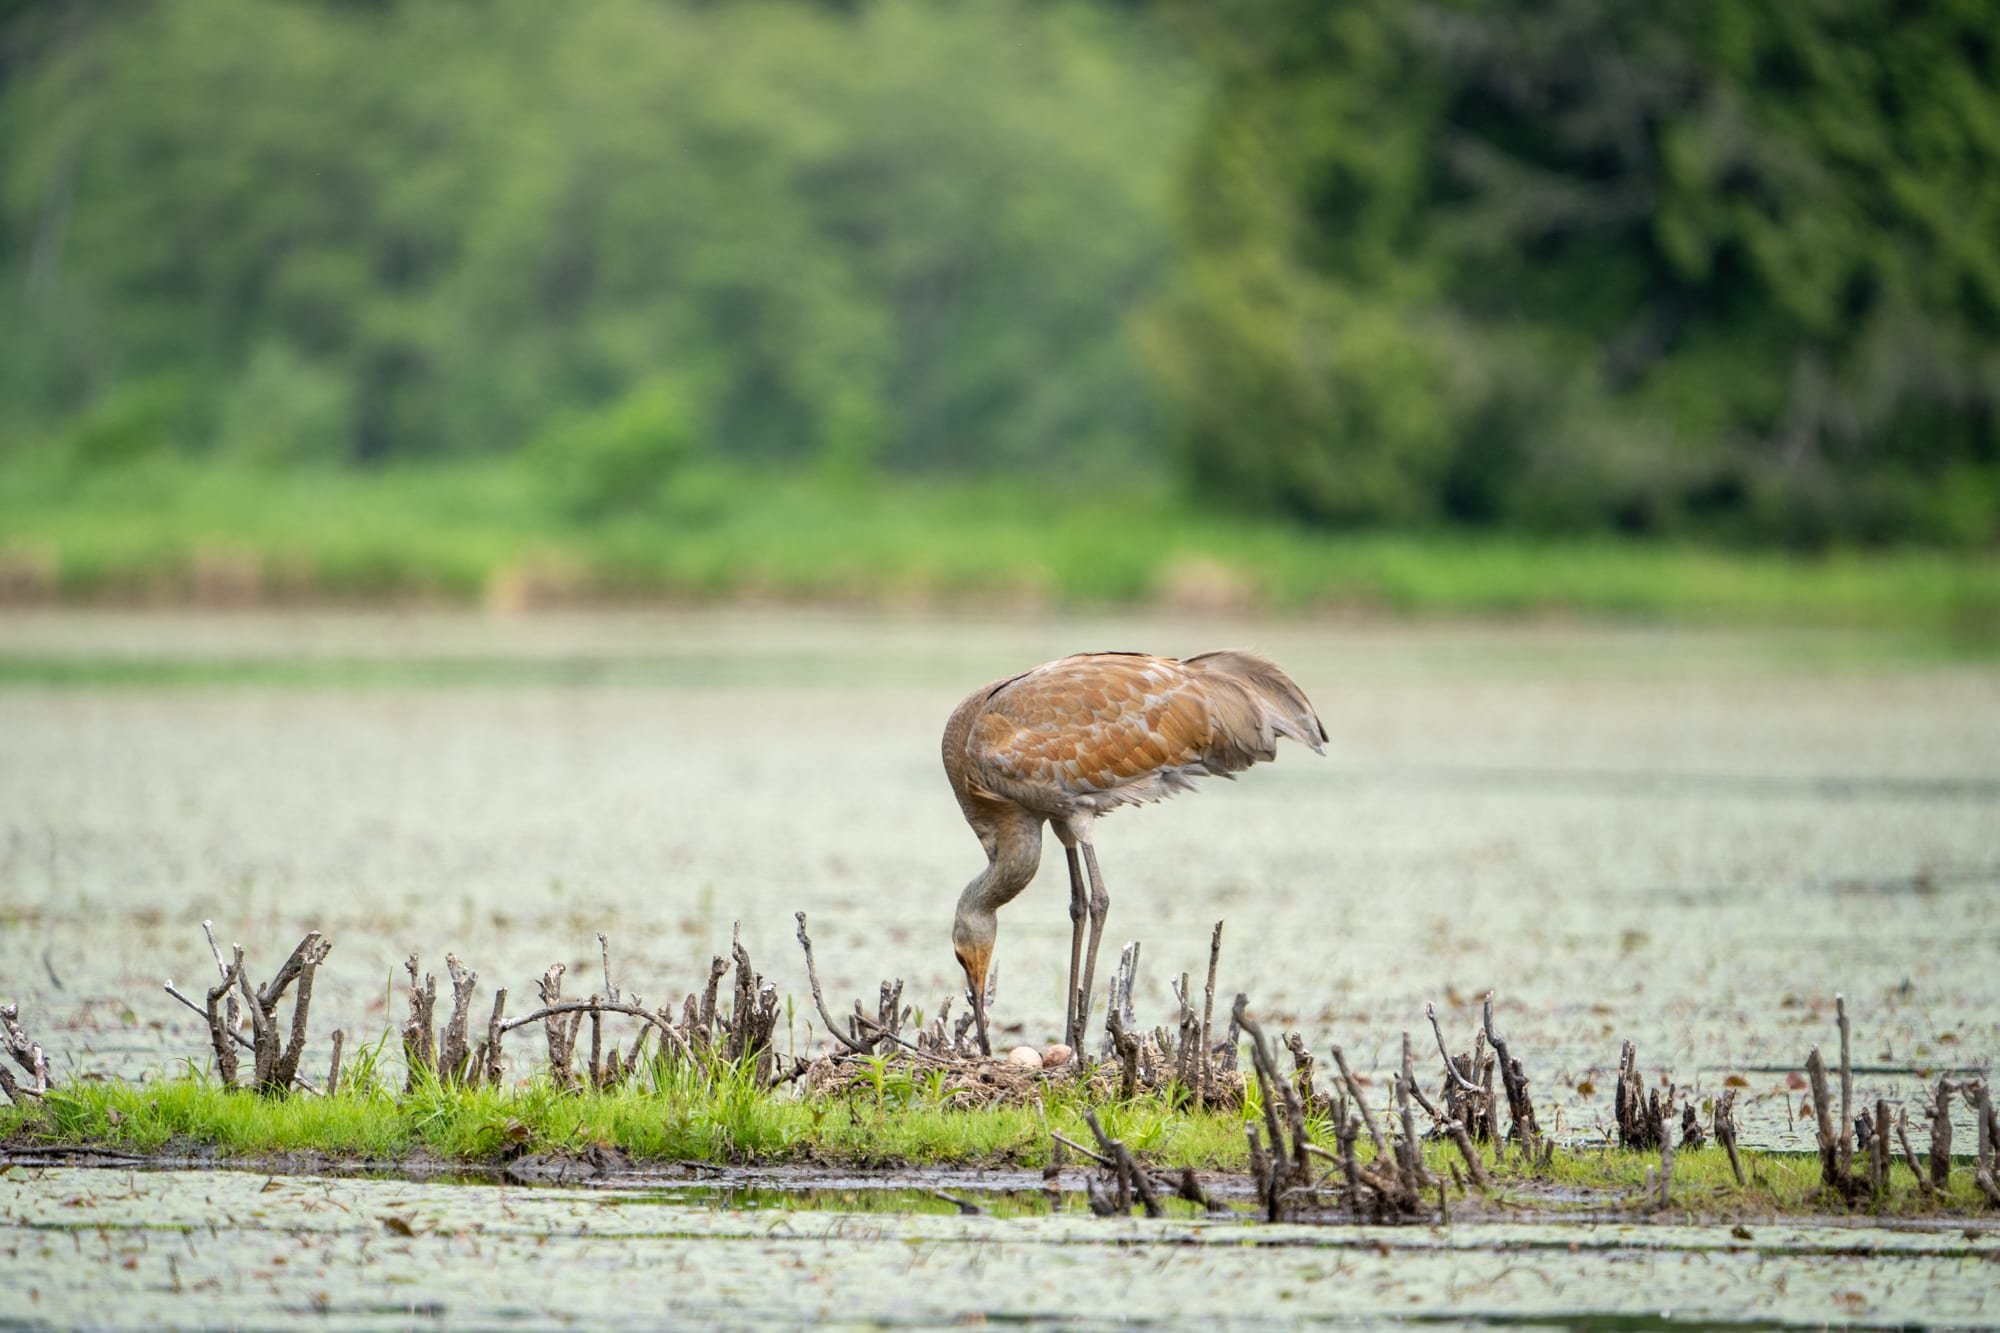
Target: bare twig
(1846,1089)
(454,1053)
(27,1053)
(1909,1154)
(1521,1125)
(812,975)
(1724,1124)
(1207,1076)
(1940,1162)
(1126,1045)
(419,1032)
(495,1030)
(595,1005)
(1361,1104)
(333,1065)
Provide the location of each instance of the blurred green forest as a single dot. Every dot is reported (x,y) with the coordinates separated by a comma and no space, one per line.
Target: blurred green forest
(375,294)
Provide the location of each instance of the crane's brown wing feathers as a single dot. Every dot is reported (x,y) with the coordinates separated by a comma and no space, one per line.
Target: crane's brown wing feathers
(1091,725)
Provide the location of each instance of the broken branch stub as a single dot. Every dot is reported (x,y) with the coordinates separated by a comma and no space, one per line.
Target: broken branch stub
(419,1031)
(1521,1126)
(27,1053)
(454,1052)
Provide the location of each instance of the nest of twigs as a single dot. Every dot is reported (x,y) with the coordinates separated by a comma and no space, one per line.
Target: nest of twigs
(974,1082)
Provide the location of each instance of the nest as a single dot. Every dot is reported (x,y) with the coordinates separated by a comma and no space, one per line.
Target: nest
(977,1082)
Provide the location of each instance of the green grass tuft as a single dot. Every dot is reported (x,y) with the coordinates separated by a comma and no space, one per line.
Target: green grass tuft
(900,1120)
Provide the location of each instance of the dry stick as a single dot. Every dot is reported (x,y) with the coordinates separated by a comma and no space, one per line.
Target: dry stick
(1831,1170)
(1725,1131)
(1270,1087)
(1302,1068)
(1413,1152)
(175,991)
(221,970)
(262,1035)
(812,975)
(1521,1125)
(1207,1017)
(27,1053)
(1098,1158)
(1361,1103)
(1130,1178)
(1982,1124)
(419,1033)
(225,1050)
(1941,1136)
(604,952)
(594,1005)
(1909,1155)
(1666,1168)
(596,1045)
(1468,1152)
(1878,1144)
(295,1049)
(495,1030)
(1263,1172)
(1982,1119)
(1846,1090)
(333,1065)
(454,1054)
(1450,1069)
(1126,1045)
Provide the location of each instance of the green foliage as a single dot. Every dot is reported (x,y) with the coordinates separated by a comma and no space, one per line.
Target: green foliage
(720,1115)
(489,529)
(1715,268)
(388,231)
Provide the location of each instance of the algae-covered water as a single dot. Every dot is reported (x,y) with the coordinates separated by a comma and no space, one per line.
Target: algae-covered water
(109,1249)
(1692,840)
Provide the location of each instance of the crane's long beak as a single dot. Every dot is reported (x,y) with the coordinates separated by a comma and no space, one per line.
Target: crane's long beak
(975,994)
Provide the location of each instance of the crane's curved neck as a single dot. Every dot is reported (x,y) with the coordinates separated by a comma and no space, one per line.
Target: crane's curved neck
(1013,853)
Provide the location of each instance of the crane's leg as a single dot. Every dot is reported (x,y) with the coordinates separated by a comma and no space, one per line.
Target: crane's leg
(1078,909)
(1100,906)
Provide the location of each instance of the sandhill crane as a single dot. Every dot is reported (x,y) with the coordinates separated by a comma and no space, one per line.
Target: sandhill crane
(1072,739)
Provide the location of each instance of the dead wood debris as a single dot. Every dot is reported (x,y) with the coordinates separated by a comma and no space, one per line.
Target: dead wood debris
(872,1051)
(1645,1118)
(1839,1139)
(275,1056)
(25,1052)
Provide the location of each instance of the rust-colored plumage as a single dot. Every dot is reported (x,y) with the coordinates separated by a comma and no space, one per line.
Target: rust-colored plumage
(1071,740)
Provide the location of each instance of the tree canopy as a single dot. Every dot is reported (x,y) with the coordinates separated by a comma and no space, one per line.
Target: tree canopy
(1726,268)
(1730,266)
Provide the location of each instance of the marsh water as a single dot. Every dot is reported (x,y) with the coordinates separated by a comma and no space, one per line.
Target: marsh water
(147,1249)
(1691,840)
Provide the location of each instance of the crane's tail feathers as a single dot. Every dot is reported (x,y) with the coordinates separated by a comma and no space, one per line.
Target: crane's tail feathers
(1264,704)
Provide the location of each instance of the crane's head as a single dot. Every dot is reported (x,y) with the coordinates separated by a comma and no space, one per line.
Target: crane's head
(972,936)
